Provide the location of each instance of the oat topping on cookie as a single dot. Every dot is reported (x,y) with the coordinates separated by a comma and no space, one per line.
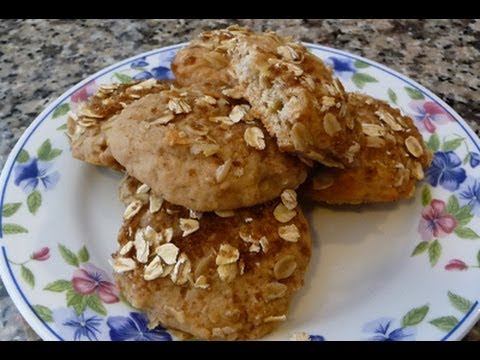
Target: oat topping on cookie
(225,214)
(300,336)
(153,270)
(284,267)
(289,233)
(275,290)
(121,264)
(222,171)
(227,272)
(132,209)
(283,214)
(254,137)
(155,203)
(238,113)
(141,246)
(275,318)
(289,199)
(189,226)
(201,282)
(227,254)
(125,249)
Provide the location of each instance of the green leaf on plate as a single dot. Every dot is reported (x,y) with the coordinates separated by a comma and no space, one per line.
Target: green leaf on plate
(69,256)
(58,286)
(426,195)
(62,127)
(392,96)
(466,233)
(10,208)
(43,313)
(34,201)
(12,229)
(445,323)
(23,156)
(420,248)
(414,94)
(360,64)
(44,150)
(434,252)
(433,143)
(83,255)
(452,205)
(76,300)
(360,79)
(28,276)
(124,78)
(53,154)
(460,303)
(61,110)
(94,303)
(46,153)
(415,316)
(466,159)
(452,145)
(463,217)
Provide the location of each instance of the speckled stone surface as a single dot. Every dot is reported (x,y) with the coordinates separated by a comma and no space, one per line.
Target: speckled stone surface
(40,59)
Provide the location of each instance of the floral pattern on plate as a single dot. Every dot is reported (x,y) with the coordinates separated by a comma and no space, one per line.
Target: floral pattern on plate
(66,291)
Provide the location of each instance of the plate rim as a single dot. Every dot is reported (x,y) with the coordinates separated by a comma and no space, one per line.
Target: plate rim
(18,297)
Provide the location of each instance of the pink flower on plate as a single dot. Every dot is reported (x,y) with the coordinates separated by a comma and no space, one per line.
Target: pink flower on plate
(41,255)
(88,279)
(429,113)
(435,222)
(457,265)
(84,92)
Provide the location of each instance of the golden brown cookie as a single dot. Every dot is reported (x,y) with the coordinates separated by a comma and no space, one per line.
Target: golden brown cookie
(226,277)
(86,129)
(290,90)
(201,66)
(391,161)
(201,152)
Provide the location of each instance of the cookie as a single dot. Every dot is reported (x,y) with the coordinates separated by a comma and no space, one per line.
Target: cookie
(86,127)
(201,66)
(290,90)
(229,276)
(391,161)
(201,152)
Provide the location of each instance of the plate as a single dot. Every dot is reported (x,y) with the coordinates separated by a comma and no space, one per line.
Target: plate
(403,271)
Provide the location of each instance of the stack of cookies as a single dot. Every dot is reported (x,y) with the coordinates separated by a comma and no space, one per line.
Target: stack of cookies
(213,242)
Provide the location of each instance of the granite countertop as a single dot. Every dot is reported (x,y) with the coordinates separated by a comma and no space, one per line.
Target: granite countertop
(40,59)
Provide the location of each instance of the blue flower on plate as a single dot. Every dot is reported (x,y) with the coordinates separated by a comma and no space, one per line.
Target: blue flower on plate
(141,62)
(84,326)
(474,159)
(316,338)
(134,328)
(342,66)
(31,173)
(446,171)
(159,72)
(469,194)
(382,330)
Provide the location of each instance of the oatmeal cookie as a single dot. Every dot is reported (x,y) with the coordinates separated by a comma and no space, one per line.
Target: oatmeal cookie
(225,276)
(391,161)
(200,66)
(201,152)
(290,90)
(86,127)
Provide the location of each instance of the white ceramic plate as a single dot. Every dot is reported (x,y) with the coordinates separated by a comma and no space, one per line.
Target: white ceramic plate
(403,271)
